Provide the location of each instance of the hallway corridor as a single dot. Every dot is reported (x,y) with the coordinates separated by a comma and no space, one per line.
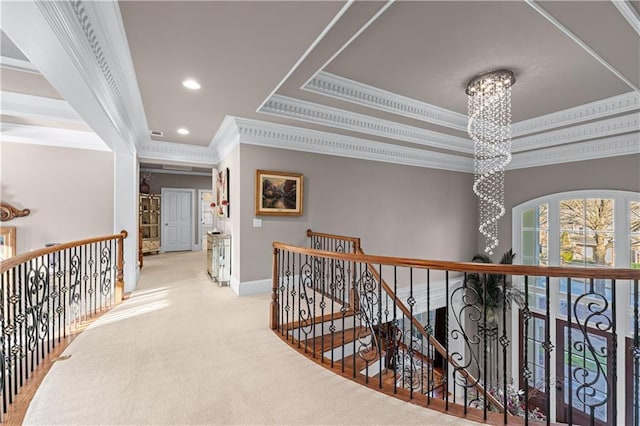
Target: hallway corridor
(182,350)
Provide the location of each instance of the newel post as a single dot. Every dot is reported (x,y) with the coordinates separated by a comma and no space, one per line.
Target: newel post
(273,323)
(120,266)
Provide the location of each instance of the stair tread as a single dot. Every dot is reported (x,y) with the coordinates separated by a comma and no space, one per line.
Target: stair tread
(333,340)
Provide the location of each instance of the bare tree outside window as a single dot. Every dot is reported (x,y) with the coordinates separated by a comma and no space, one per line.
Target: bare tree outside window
(587,231)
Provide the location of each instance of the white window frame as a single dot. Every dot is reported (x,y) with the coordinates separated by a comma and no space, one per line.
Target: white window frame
(622,249)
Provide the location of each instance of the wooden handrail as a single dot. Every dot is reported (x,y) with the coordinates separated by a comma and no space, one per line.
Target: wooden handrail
(354,240)
(490,268)
(60,289)
(463,267)
(11,263)
(7,264)
(432,340)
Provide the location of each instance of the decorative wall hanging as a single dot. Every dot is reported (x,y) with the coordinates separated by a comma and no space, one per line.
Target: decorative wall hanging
(279,193)
(221,206)
(8,212)
(490,128)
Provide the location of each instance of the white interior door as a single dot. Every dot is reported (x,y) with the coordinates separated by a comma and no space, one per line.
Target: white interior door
(177,219)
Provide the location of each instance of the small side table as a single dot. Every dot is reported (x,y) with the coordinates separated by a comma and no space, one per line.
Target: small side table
(219,257)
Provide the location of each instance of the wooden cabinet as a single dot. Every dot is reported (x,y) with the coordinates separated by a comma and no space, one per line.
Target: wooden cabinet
(219,257)
(149,222)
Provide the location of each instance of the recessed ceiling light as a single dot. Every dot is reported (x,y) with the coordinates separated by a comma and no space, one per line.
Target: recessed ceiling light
(183,131)
(191,84)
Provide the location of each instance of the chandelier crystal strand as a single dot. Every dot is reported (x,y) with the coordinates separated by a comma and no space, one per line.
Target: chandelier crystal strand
(490,128)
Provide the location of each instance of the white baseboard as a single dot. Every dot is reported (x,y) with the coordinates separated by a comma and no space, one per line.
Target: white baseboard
(248,288)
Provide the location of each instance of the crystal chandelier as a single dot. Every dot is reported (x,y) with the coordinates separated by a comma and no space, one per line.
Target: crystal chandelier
(490,128)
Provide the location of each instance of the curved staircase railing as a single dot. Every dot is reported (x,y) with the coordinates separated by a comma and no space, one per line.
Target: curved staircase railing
(47,296)
(416,330)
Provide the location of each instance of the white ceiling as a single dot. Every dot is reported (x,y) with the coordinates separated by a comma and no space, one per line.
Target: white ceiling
(379,74)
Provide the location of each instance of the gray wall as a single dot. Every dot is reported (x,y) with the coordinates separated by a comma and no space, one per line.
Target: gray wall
(395,210)
(615,173)
(69,192)
(157,181)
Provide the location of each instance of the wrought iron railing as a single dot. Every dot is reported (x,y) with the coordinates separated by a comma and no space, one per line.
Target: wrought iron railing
(46,295)
(420,330)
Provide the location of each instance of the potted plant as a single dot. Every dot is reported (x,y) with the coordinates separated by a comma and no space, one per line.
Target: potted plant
(494,285)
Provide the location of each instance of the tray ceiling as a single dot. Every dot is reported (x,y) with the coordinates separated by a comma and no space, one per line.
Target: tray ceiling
(382,73)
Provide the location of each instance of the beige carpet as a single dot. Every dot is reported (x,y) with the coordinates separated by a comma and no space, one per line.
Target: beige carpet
(182,350)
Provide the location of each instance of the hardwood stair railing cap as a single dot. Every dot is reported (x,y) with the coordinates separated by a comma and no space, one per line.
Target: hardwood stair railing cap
(489,268)
(7,264)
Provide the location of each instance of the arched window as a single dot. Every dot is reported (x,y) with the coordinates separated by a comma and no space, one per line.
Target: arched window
(596,228)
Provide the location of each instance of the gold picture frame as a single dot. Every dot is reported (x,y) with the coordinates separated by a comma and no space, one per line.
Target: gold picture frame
(279,193)
(7,242)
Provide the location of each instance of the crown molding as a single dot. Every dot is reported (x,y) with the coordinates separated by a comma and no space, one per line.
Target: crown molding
(23,105)
(284,106)
(592,111)
(226,138)
(358,93)
(598,129)
(629,13)
(81,48)
(177,152)
(18,65)
(174,172)
(627,144)
(61,138)
(273,135)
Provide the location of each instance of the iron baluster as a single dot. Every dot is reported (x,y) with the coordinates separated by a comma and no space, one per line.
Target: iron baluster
(526,373)
(379,315)
(548,348)
(483,375)
(569,338)
(636,355)
(395,326)
(446,342)
(596,306)
(429,331)
(613,379)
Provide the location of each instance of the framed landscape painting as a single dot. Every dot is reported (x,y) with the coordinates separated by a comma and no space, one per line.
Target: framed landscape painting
(279,193)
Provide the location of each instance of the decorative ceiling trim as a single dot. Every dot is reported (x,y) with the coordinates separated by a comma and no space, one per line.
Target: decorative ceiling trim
(177,152)
(298,139)
(591,111)
(93,35)
(597,129)
(628,144)
(22,105)
(226,138)
(362,94)
(174,172)
(367,24)
(18,65)
(321,114)
(62,138)
(580,43)
(324,32)
(629,13)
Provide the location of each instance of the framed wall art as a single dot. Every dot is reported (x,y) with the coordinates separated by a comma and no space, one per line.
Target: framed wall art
(279,193)
(222,193)
(7,242)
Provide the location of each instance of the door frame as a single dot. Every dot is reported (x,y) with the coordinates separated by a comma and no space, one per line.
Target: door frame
(199,218)
(163,192)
